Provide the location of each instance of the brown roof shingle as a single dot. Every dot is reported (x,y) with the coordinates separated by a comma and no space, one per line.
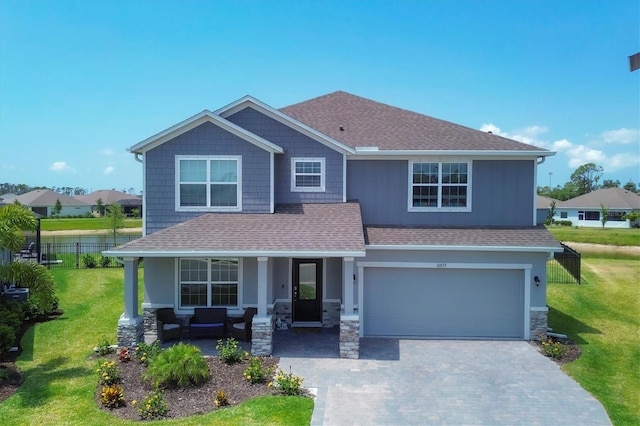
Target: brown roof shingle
(534,237)
(367,123)
(315,228)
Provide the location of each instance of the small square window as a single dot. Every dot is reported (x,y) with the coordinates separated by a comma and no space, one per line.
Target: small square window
(307,175)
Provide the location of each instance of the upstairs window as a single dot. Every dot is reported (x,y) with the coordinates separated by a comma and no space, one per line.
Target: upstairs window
(307,175)
(208,183)
(439,186)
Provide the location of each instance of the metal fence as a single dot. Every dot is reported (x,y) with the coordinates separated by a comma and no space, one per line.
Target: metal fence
(565,266)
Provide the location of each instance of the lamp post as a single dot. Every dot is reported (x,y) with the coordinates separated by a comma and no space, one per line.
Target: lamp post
(550,173)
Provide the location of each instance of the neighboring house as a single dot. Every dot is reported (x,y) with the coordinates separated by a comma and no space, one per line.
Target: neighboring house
(586,209)
(340,211)
(109,196)
(543,205)
(43,201)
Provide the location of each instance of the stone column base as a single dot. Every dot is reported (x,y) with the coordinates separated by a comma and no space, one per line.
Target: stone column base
(262,335)
(130,332)
(349,336)
(538,323)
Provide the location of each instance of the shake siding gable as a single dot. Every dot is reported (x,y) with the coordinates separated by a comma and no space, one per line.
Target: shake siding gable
(501,194)
(204,140)
(294,144)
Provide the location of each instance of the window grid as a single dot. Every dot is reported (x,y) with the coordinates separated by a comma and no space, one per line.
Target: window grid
(205,283)
(209,183)
(307,174)
(438,185)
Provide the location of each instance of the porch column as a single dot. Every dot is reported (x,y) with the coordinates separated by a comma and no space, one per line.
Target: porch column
(130,324)
(262,286)
(347,285)
(262,324)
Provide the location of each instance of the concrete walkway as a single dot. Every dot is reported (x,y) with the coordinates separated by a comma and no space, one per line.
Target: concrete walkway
(429,382)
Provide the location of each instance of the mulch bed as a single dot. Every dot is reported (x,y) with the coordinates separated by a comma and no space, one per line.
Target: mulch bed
(192,400)
(572,354)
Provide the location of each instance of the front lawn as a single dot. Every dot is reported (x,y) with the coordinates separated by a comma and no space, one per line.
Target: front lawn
(60,379)
(603,316)
(608,236)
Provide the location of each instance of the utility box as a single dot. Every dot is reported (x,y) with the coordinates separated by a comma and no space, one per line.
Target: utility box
(16,294)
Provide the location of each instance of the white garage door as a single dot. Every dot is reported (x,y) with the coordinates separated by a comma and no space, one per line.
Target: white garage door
(439,303)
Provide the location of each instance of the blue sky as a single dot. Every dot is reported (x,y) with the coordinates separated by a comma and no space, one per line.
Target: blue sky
(80,82)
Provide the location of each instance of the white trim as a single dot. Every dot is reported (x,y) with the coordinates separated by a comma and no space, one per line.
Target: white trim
(250,101)
(320,188)
(439,185)
(344,178)
(144,195)
(272,180)
(361,307)
(527,304)
(465,248)
(208,183)
(233,253)
(534,220)
(195,121)
(539,309)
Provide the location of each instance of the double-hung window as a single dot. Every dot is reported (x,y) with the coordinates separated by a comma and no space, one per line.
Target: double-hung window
(439,186)
(307,175)
(209,183)
(209,282)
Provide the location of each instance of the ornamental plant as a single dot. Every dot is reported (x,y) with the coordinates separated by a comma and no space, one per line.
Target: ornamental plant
(287,382)
(145,352)
(153,406)
(255,372)
(554,349)
(178,367)
(221,399)
(228,350)
(108,373)
(104,347)
(123,355)
(112,396)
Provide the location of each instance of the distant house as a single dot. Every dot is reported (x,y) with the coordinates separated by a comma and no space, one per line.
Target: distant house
(585,210)
(110,196)
(43,201)
(543,205)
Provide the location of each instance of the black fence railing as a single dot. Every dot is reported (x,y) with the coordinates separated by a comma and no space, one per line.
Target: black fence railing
(565,266)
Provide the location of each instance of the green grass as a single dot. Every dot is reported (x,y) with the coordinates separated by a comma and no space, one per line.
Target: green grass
(93,224)
(603,316)
(609,236)
(60,379)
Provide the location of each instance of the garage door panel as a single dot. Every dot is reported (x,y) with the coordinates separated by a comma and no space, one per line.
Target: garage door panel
(443,303)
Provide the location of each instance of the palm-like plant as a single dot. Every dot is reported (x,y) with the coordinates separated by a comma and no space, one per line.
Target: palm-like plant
(14,219)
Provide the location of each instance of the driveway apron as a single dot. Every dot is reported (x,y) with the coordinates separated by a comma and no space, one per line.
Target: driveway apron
(444,382)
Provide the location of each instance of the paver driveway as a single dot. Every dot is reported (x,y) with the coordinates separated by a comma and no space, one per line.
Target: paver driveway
(429,382)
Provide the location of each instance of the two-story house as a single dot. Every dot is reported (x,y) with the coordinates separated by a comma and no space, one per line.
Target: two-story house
(340,211)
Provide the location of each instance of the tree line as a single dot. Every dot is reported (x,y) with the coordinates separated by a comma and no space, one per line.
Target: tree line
(21,188)
(583,180)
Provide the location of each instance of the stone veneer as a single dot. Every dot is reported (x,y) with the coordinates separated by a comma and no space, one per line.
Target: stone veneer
(538,325)
(330,313)
(350,336)
(262,335)
(130,332)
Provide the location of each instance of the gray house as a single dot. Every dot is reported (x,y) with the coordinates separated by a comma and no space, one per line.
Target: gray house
(340,211)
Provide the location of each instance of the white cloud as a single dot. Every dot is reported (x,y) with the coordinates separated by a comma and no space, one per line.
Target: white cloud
(528,135)
(108,170)
(582,154)
(60,166)
(107,151)
(622,136)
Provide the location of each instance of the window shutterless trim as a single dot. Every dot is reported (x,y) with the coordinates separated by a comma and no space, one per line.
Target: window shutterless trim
(294,174)
(439,185)
(207,183)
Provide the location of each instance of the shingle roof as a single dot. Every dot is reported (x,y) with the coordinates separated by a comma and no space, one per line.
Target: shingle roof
(367,123)
(107,196)
(543,202)
(305,228)
(47,197)
(448,238)
(611,198)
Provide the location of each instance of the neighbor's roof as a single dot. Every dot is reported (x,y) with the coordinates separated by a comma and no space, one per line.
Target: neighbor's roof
(107,196)
(543,202)
(499,239)
(300,229)
(47,197)
(366,123)
(611,198)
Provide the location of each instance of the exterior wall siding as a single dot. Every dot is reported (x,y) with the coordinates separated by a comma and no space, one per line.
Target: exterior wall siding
(295,145)
(206,139)
(502,194)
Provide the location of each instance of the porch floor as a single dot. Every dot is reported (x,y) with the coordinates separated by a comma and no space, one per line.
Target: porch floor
(296,342)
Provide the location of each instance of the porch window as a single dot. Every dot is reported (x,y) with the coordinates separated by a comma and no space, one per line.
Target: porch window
(208,183)
(307,175)
(439,186)
(209,282)
(591,215)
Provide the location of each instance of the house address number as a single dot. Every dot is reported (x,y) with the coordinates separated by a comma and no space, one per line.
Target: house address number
(441,265)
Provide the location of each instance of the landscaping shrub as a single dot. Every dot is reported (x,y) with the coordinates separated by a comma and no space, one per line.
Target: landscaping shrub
(105,261)
(11,314)
(145,352)
(152,406)
(254,372)
(563,222)
(179,366)
(228,350)
(89,261)
(104,347)
(7,338)
(112,396)
(37,279)
(108,373)
(287,382)
(554,349)
(221,399)
(123,355)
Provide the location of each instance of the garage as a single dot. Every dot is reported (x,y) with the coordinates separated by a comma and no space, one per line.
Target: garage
(443,303)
